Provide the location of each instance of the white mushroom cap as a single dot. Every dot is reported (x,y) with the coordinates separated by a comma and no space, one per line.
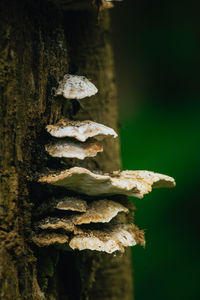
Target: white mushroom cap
(80,130)
(109,240)
(157,180)
(93,242)
(69,149)
(131,183)
(75,87)
(100,211)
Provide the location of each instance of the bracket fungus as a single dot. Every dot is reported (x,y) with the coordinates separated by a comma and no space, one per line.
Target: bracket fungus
(70,229)
(75,87)
(57,223)
(81,222)
(115,231)
(110,239)
(96,211)
(100,211)
(80,130)
(44,239)
(130,183)
(99,224)
(73,204)
(69,149)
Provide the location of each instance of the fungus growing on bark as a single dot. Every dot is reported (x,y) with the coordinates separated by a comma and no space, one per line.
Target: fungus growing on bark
(111,235)
(96,224)
(80,130)
(73,204)
(110,239)
(54,205)
(97,211)
(49,238)
(100,211)
(75,87)
(130,183)
(69,149)
(57,223)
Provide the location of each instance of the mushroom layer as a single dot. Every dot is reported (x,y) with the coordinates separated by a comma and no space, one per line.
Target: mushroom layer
(44,239)
(97,211)
(100,211)
(78,230)
(72,204)
(131,183)
(111,239)
(80,130)
(69,149)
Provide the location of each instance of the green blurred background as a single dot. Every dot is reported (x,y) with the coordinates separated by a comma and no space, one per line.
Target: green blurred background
(157,71)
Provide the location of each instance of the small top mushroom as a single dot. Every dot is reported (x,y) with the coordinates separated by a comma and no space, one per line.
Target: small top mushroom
(75,87)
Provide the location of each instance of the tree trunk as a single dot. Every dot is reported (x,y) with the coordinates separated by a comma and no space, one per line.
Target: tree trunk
(39,44)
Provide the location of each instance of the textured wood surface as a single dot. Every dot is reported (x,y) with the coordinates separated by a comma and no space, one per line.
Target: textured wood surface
(33,58)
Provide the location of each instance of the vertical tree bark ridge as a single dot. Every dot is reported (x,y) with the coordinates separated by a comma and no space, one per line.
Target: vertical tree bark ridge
(32,55)
(90,53)
(33,58)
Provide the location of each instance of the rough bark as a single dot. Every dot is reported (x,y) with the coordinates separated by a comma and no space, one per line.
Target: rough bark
(38,46)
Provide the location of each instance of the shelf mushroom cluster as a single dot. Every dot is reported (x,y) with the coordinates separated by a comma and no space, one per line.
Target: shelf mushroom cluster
(95,225)
(98,222)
